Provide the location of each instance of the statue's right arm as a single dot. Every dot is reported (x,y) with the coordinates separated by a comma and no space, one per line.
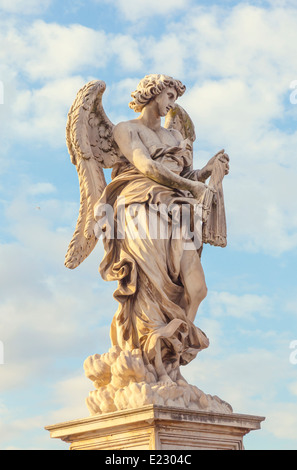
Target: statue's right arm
(131,146)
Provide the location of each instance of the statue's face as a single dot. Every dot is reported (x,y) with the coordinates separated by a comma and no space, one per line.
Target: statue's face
(165,100)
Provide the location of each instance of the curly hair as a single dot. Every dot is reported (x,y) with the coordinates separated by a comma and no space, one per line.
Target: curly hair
(151,86)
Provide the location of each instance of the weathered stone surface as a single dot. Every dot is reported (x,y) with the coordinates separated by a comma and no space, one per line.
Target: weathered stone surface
(123,382)
(157,428)
(141,400)
(157,265)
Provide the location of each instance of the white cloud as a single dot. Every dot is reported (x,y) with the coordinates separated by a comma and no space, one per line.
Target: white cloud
(251,381)
(166,55)
(69,396)
(125,50)
(282,422)
(50,55)
(49,51)
(24,7)
(247,56)
(240,306)
(12,427)
(134,10)
(293,388)
(240,64)
(282,3)
(119,93)
(39,305)
(65,396)
(41,188)
(41,114)
(46,51)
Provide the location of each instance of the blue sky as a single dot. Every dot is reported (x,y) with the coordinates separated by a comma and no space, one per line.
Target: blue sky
(238,60)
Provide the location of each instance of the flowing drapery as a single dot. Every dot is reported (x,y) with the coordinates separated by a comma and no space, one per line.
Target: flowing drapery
(152,297)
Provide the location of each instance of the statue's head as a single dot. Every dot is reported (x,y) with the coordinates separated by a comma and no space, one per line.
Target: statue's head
(150,87)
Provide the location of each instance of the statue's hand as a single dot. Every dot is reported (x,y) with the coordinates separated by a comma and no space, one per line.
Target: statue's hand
(199,189)
(206,171)
(224,158)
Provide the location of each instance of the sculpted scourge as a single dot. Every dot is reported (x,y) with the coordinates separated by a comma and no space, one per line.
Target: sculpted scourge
(153,219)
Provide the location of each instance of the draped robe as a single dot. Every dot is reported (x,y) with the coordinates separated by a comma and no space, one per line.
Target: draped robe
(151,292)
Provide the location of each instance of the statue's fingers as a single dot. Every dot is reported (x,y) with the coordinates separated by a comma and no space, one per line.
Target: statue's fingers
(224,158)
(220,152)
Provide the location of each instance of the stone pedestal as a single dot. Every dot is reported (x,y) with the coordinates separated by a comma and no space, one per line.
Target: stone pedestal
(157,428)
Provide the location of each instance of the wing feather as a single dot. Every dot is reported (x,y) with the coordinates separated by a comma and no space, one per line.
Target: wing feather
(91,148)
(177,118)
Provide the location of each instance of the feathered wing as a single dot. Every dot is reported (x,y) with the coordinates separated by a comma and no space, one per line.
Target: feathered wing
(178,119)
(91,148)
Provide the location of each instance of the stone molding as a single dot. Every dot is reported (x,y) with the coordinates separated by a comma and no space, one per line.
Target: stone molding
(157,428)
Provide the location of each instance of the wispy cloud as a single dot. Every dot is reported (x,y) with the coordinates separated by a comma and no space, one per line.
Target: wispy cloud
(238,64)
(24,7)
(222,304)
(134,10)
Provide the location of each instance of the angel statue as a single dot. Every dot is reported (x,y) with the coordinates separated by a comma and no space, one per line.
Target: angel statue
(160,280)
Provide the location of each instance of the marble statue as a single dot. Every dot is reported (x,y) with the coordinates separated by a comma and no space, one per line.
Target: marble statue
(153,217)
